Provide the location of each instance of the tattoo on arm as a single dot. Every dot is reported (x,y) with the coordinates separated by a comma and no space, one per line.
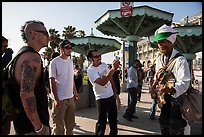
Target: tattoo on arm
(38,60)
(28,77)
(31,105)
(28,82)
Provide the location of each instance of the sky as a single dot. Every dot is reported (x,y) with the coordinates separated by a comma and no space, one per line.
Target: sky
(80,15)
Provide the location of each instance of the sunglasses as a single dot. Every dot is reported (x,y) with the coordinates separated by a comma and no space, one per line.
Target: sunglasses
(43,32)
(97,56)
(67,48)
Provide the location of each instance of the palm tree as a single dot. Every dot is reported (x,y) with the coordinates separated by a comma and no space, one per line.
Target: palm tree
(54,39)
(47,53)
(69,32)
(80,33)
(54,43)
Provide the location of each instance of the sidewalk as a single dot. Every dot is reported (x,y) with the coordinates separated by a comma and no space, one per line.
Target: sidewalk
(86,119)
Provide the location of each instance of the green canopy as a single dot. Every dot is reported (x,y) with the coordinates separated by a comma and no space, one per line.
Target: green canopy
(103,45)
(143,22)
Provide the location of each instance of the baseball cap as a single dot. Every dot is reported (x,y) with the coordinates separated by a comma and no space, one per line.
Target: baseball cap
(65,43)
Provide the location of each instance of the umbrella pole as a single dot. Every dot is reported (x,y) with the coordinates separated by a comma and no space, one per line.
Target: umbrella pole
(123,69)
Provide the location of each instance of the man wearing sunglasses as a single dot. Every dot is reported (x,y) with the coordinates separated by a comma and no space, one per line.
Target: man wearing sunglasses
(61,74)
(104,90)
(28,87)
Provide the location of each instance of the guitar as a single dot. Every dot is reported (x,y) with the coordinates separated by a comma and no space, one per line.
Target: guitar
(164,79)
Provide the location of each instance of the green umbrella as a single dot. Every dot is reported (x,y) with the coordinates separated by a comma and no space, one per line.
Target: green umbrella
(143,22)
(103,45)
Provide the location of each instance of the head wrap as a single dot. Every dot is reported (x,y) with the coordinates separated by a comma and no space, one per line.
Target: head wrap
(165,32)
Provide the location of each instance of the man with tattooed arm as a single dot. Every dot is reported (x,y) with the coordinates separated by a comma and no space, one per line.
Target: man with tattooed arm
(29,93)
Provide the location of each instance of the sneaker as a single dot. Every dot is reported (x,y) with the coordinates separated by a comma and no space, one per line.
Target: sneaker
(134,117)
(126,117)
(129,119)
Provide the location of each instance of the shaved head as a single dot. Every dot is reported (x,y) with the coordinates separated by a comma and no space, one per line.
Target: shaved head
(30,26)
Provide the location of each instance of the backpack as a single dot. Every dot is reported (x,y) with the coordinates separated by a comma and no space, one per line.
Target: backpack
(191,105)
(191,100)
(9,112)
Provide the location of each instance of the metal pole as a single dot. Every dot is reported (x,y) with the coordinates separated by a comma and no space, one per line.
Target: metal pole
(123,65)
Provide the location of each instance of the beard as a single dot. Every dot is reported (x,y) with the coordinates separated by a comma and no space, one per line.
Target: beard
(67,54)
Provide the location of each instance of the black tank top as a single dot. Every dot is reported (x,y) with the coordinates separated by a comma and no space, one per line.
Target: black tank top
(22,124)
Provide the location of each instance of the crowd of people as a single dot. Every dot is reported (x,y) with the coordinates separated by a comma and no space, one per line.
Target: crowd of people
(61,82)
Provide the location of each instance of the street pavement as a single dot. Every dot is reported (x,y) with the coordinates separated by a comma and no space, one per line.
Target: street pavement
(141,126)
(86,119)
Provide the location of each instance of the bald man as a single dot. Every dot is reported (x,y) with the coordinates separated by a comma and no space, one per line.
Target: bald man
(28,89)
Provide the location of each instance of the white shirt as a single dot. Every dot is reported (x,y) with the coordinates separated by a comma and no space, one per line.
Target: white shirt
(63,72)
(132,79)
(96,72)
(181,72)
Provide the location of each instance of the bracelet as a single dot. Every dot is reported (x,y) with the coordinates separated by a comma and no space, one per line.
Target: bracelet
(37,131)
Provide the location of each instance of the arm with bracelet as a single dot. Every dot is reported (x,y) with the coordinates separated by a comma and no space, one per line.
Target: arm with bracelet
(43,130)
(31,70)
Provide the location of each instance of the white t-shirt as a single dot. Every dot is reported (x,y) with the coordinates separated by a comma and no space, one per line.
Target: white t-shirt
(96,72)
(63,72)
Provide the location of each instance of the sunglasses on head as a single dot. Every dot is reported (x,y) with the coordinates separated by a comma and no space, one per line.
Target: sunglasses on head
(97,56)
(43,32)
(67,48)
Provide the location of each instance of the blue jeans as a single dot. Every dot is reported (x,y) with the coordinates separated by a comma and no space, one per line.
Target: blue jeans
(132,94)
(153,109)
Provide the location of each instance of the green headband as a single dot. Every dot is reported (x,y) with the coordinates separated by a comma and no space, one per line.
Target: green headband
(162,36)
